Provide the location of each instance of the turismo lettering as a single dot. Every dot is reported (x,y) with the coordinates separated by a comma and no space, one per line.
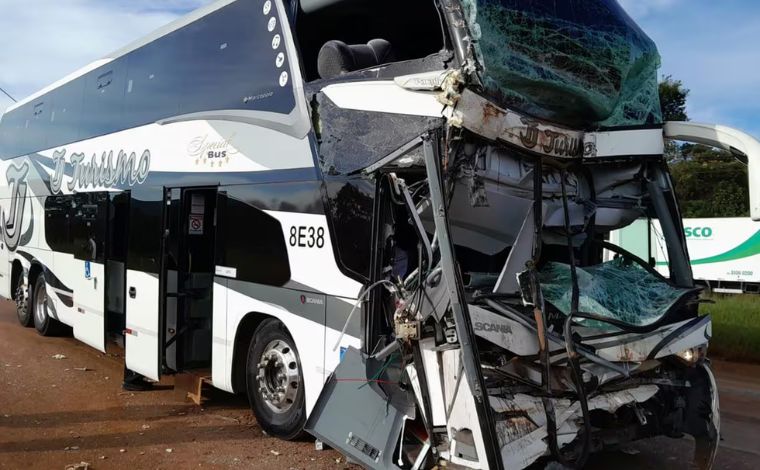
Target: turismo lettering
(127,170)
(549,141)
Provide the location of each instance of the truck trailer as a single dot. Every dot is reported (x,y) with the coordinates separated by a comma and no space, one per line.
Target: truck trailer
(724,252)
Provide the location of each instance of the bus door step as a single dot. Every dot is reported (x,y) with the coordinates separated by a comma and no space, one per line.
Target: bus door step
(190,385)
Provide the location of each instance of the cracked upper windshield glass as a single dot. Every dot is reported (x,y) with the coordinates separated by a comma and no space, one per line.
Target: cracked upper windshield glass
(577,63)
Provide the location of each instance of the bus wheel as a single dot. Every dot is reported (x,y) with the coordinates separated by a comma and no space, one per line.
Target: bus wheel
(22,303)
(274,381)
(45,324)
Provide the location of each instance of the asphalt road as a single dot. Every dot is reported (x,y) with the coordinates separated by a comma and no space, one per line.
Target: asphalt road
(53,413)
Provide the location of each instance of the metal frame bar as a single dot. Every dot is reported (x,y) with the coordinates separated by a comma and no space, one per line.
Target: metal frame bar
(462,322)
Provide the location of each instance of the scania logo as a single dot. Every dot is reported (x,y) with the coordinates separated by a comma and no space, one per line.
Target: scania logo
(493,327)
(311,300)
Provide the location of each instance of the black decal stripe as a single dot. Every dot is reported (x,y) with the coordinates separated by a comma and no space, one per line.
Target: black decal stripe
(333,312)
(66,300)
(50,277)
(677,333)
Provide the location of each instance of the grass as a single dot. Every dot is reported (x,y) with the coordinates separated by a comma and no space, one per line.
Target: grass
(736,327)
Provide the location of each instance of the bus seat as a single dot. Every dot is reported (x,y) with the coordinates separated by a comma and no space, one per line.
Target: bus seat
(336,57)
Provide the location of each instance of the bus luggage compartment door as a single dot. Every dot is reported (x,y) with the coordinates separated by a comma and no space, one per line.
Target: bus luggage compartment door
(90,210)
(144,259)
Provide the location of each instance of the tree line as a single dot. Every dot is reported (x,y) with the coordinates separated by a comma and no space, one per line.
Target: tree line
(709,182)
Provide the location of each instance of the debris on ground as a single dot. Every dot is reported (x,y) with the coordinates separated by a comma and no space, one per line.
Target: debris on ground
(83,369)
(146,426)
(122,450)
(58,356)
(274,452)
(78,466)
(170,450)
(71,448)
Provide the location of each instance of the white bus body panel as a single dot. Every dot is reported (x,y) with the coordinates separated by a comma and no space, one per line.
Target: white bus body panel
(141,347)
(89,296)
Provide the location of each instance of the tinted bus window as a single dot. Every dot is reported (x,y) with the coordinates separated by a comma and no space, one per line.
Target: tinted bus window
(249,239)
(103,99)
(144,245)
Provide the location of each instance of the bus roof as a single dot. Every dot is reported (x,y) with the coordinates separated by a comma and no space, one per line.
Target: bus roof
(158,33)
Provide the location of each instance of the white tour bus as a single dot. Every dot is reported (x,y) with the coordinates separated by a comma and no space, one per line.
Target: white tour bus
(383,221)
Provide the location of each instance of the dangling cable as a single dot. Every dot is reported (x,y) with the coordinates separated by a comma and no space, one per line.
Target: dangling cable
(539,311)
(572,355)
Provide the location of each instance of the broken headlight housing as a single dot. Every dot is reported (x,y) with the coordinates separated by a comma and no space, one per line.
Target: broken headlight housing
(693,356)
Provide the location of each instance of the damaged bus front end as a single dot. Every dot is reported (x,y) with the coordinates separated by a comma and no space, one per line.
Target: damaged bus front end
(499,324)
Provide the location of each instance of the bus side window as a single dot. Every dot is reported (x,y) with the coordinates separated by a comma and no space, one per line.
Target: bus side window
(250,240)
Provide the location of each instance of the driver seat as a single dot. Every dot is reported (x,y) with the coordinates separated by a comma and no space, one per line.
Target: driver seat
(337,58)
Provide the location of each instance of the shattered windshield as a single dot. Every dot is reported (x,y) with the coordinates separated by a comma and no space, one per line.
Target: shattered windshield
(645,299)
(580,63)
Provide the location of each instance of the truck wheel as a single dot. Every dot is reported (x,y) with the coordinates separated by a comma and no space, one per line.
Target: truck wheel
(45,324)
(22,303)
(274,381)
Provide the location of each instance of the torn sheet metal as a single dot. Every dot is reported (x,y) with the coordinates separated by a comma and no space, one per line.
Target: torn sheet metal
(481,116)
(523,442)
(361,410)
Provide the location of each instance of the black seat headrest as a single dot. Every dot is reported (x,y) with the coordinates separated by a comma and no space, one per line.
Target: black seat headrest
(337,57)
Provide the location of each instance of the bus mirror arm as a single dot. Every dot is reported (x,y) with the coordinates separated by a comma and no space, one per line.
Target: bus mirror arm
(743,146)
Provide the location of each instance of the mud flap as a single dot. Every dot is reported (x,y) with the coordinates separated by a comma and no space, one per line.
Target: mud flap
(362,409)
(707,439)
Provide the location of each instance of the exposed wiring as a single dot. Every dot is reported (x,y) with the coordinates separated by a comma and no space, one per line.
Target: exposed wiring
(358,302)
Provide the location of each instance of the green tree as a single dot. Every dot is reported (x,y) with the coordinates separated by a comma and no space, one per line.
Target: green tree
(710,182)
(673,99)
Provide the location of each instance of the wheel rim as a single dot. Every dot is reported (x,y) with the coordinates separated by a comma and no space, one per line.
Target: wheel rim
(278,376)
(40,304)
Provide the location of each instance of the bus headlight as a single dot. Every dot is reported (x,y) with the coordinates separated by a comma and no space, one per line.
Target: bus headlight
(693,355)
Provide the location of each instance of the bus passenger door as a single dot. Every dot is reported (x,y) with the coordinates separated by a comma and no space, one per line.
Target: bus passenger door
(88,233)
(145,248)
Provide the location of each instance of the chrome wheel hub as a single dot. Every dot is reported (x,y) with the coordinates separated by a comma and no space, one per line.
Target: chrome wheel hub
(40,305)
(278,376)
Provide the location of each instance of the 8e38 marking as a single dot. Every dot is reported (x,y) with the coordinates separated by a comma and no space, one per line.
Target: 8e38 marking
(307,237)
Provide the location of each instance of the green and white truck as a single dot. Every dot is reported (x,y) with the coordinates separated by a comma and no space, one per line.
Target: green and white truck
(724,252)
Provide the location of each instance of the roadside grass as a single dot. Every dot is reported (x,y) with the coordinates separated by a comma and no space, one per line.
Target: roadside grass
(735,325)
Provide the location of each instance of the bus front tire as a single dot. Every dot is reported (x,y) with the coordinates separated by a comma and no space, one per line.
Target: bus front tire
(43,322)
(23,311)
(274,381)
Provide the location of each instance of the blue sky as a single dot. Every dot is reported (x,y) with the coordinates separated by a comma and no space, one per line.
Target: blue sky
(712,46)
